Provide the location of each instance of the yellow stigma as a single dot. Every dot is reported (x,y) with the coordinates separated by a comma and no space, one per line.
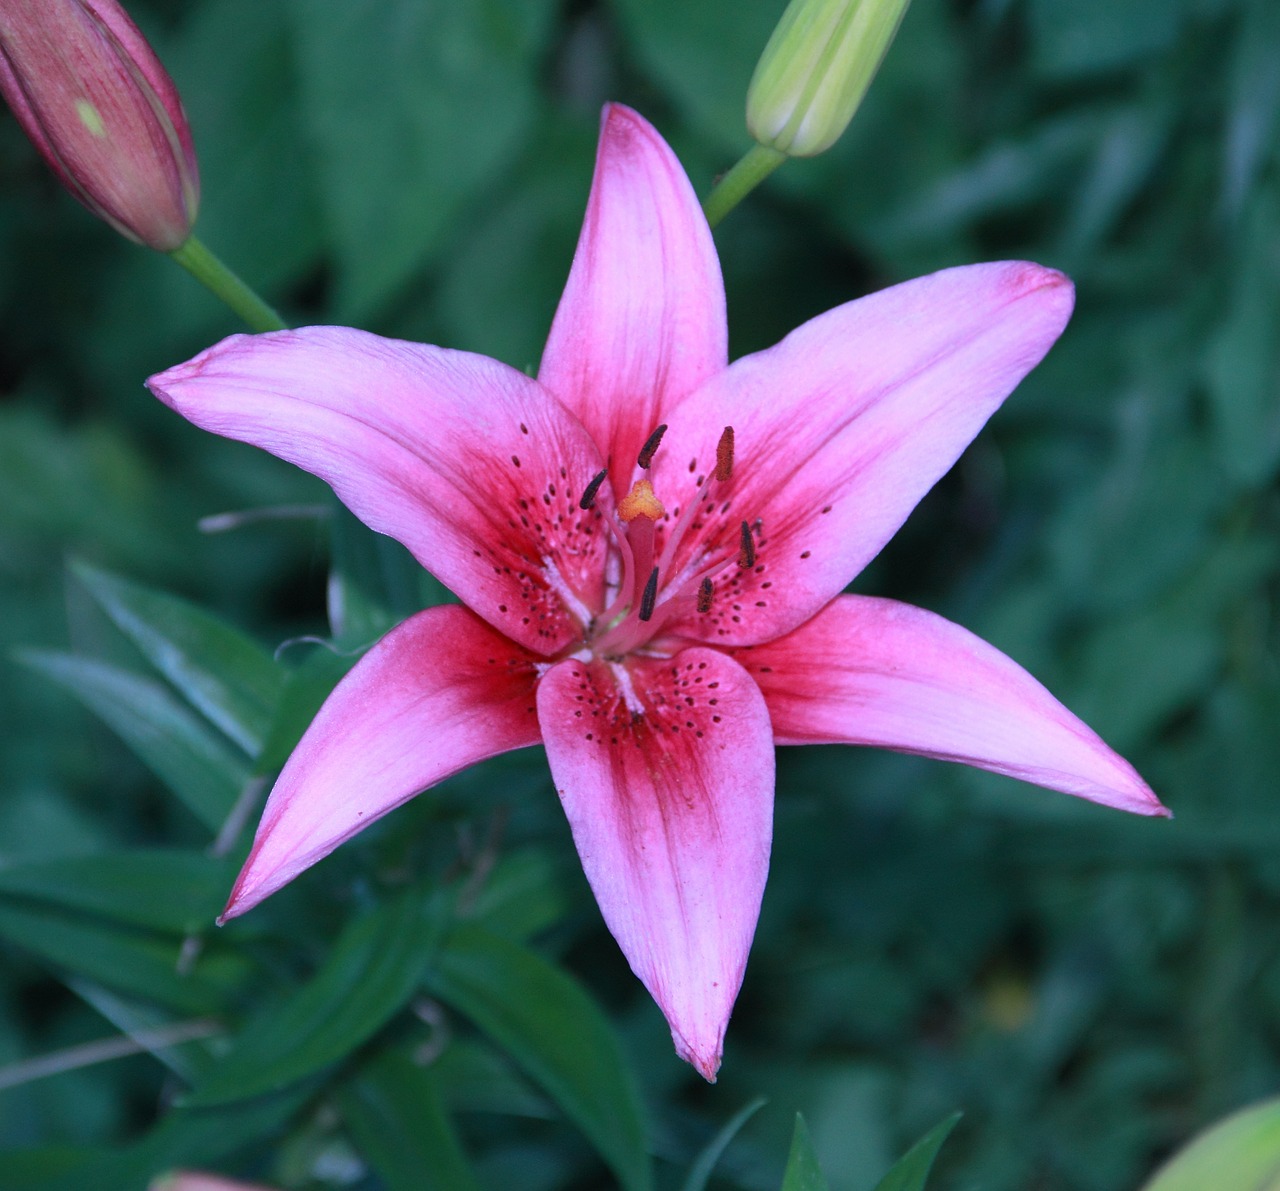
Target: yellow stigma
(640,502)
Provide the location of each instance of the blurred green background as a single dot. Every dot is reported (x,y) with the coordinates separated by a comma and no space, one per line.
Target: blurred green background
(1090,989)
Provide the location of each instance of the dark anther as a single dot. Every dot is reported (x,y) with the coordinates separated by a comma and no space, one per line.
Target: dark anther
(747,548)
(649,596)
(724,455)
(704,596)
(589,495)
(650,446)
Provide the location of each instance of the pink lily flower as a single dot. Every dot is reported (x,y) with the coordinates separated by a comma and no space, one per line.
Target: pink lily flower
(657,614)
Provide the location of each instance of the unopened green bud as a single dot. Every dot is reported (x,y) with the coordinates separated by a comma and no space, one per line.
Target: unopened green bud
(816,69)
(1239,1153)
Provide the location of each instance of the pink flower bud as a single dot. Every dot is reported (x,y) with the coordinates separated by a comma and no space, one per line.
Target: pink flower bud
(91,94)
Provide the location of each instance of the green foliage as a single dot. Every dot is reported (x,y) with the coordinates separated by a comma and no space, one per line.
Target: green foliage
(371,971)
(229,678)
(554,1031)
(398,1119)
(700,1171)
(439,998)
(178,748)
(911,1171)
(803,1172)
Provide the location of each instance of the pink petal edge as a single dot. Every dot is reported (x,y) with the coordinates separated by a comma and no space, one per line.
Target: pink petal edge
(438,693)
(642,322)
(668,788)
(878,672)
(844,426)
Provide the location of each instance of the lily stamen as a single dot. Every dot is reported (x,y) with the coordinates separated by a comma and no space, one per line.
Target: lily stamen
(724,455)
(650,596)
(650,447)
(747,549)
(589,492)
(723,471)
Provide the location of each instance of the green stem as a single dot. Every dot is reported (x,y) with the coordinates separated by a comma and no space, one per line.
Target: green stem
(759,162)
(223,283)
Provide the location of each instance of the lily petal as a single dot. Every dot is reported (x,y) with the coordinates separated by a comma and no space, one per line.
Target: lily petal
(666,772)
(642,320)
(438,693)
(843,426)
(469,463)
(873,671)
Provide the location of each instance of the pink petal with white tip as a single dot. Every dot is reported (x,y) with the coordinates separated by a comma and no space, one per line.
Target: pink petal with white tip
(665,769)
(843,426)
(873,671)
(469,463)
(438,693)
(642,320)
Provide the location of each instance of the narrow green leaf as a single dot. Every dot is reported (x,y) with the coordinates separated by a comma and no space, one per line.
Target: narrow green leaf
(375,582)
(133,961)
(305,691)
(398,1121)
(132,1016)
(203,1137)
(164,890)
(524,894)
(706,1161)
(39,1169)
(191,1138)
(225,675)
(803,1172)
(176,746)
(544,1019)
(476,1077)
(911,1171)
(371,972)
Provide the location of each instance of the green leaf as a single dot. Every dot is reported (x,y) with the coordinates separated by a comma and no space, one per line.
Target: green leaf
(226,676)
(189,1138)
(911,1171)
(264,214)
(523,895)
(1239,1153)
(169,739)
(167,890)
(1088,36)
(703,55)
(803,1172)
(46,1167)
(397,1119)
(1243,356)
(505,270)
(133,961)
(129,1015)
(706,1161)
(375,582)
(305,691)
(371,972)
(551,1028)
(394,177)
(1254,110)
(203,1137)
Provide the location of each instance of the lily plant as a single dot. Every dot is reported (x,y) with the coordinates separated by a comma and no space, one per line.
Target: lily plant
(650,546)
